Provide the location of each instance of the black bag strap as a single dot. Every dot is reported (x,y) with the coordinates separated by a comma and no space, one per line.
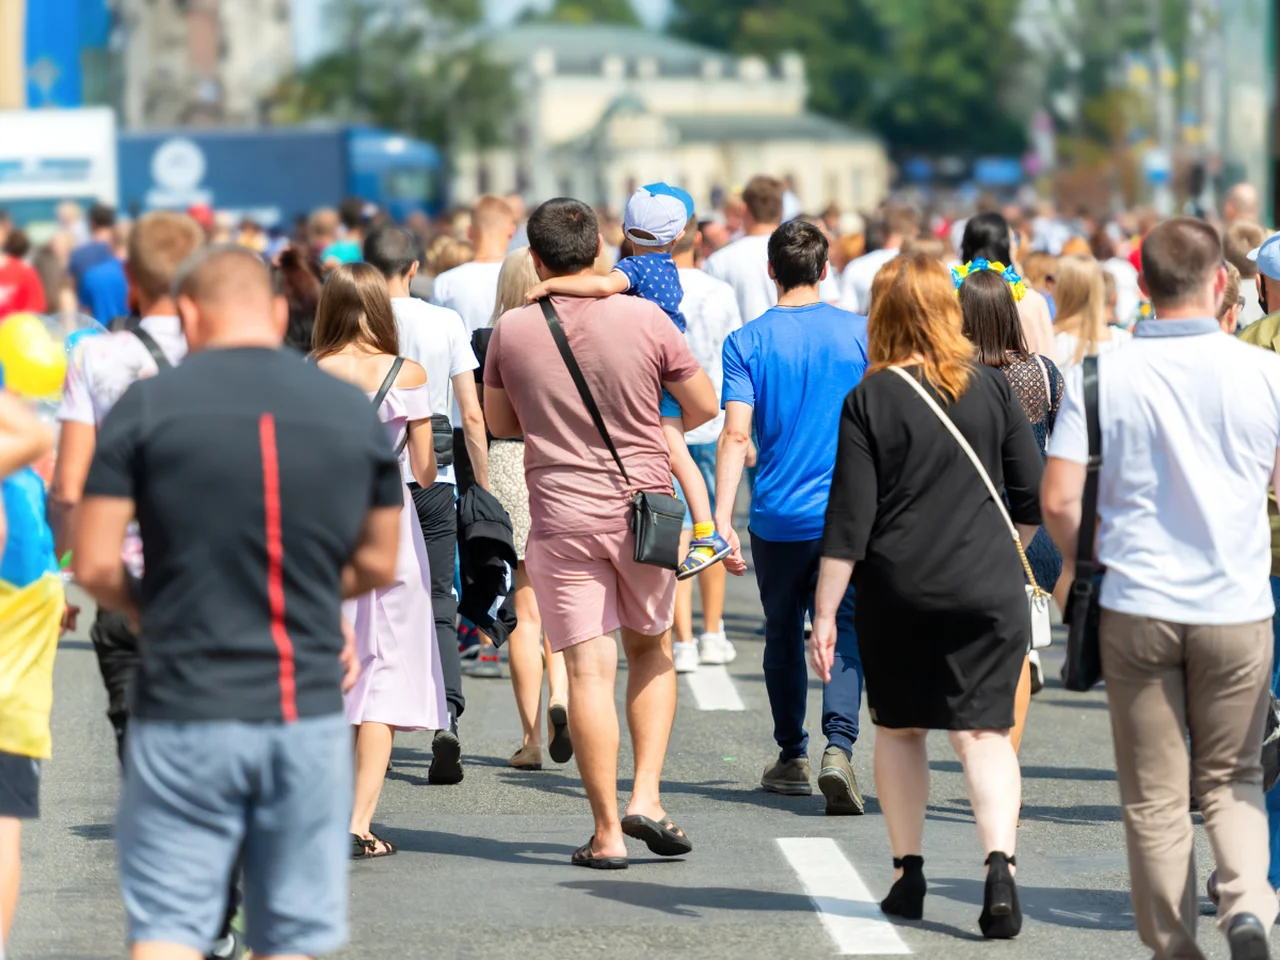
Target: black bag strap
(388,383)
(153,348)
(1089,506)
(557,333)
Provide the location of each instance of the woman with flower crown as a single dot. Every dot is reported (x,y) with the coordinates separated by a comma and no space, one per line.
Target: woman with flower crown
(987,237)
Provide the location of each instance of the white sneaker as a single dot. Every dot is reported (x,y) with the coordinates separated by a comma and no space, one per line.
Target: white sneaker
(716,648)
(686,657)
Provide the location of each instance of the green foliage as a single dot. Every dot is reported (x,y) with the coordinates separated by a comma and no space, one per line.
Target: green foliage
(405,65)
(585,11)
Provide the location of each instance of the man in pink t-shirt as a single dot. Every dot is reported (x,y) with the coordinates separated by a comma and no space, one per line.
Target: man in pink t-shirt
(580,548)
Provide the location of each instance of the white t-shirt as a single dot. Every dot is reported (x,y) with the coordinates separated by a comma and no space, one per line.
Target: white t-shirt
(471,290)
(1128,294)
(711,314)
(744,266)
(858,277)
(1190,421)
(1065,346)
(437,339)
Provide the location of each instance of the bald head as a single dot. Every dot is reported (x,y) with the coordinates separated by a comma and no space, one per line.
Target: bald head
(225,298)
(1241,203)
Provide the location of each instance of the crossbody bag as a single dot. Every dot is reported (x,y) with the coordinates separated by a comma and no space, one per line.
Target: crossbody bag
(387,383)
(1037,599)
(1082,668)
(656,518)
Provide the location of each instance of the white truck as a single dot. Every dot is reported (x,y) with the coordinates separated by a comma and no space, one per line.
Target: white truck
(51,155)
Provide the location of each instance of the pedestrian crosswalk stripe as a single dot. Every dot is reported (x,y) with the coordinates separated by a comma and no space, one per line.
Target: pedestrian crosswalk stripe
(713,688)
(849,913)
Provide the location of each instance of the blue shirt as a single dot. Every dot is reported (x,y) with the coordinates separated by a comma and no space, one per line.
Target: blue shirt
(87,256)
(344,251)
(104,292)
(655,277)
(795,366)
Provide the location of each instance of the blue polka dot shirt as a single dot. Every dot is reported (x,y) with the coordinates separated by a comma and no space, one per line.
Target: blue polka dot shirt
(654,277)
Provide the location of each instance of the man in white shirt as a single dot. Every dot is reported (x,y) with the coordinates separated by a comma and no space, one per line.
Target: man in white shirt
(472,288)
(744,263)
(900,224)
(711,314)
(437,338)
(1190,425)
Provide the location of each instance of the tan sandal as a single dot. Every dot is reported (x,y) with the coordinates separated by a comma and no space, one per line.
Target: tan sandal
(526,759)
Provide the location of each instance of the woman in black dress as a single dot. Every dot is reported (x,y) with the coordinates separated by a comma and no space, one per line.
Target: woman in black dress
(943,624)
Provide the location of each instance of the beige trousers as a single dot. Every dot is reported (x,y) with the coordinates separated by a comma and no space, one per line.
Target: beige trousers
(1163,681)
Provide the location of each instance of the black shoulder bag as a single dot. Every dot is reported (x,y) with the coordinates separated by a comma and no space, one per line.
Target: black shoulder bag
(1083,666)
(153,348)
(656,518)
(381,395)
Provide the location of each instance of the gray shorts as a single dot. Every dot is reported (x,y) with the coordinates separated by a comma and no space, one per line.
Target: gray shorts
(196,794)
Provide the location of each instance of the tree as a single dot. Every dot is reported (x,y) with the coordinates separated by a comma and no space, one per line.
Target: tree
(408,65)
(585,11)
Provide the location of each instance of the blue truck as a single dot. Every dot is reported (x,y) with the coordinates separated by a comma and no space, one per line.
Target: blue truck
(274,175)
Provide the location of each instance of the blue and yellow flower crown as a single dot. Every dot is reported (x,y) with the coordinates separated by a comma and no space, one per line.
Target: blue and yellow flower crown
(1009,275)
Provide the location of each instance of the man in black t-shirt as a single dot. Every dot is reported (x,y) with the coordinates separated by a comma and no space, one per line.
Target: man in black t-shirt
(266,491)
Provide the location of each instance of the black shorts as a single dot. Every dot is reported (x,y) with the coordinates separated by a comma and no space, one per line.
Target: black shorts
(19,786)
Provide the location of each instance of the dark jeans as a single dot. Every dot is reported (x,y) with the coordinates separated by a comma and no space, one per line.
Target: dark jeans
(462,469)
(787,574)
(1273,795)
(438,514)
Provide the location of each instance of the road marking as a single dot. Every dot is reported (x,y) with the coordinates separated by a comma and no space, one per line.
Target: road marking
(850,914)
(713,689)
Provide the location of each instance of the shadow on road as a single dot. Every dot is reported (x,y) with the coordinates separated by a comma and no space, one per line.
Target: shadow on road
(680,901)
(1056,906)
(1036,773)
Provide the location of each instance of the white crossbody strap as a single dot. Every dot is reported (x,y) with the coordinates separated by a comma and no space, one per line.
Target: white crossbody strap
(977,464)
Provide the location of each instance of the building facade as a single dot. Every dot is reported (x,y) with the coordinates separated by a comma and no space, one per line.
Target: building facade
(605,109)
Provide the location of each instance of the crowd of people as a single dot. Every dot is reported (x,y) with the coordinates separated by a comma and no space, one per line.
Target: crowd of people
(501,407)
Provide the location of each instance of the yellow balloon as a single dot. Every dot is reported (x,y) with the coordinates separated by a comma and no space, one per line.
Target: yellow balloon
(34,365)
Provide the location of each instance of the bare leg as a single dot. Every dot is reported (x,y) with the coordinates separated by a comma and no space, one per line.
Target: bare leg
(1062,588)
(557,676)
(10,873)
(711,583)
(525,652)
(686,471)
(651,711)
(156,950)
(684,595)
(373,751)
(902,786)
(1021,706)
(593,723)
(994,784)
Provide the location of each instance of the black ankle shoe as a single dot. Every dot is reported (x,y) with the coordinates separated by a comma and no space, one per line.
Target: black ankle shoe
(1001,917)
(1248,938)
(906,896)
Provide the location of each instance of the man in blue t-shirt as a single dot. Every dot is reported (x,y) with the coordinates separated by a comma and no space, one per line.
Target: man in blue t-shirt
(790,370)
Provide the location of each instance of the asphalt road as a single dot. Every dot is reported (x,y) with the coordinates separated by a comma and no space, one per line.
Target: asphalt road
(484,866)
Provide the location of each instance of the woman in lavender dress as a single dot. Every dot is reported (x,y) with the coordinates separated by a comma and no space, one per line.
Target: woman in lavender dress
(401,686)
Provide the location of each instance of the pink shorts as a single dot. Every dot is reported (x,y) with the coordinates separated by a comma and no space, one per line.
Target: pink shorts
(588,586)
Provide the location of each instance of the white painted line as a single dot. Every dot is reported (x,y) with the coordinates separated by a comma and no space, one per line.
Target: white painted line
(713,689)
(850,914)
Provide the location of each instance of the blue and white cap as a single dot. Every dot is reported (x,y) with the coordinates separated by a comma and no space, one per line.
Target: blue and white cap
(659,210)
(1267,257)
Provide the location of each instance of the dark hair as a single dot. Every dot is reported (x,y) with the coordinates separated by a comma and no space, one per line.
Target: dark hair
(685,243)
(991,320)
(1179,257)
(763,199)
(797,253)
(101,216)
(565,235)
(18,244)
(351,213)
(986,235)
(393,250)
(300,278)
(1100,245)
(355,307)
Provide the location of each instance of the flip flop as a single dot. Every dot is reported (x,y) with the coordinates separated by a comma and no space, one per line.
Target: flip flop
(561,746)
(661,838)
(583,857)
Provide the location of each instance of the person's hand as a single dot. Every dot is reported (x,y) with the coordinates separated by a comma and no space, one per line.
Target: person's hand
(350,662)
(537,292)
(822,647)
(733,562)
(752,455)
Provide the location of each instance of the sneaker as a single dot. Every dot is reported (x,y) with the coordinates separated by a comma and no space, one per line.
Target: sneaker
(468,642)
(446,756)
(839,785)
(1037,672)
(1248,938)
(685,656)
(716,648)
(486,665)
(703,552)
(788,777)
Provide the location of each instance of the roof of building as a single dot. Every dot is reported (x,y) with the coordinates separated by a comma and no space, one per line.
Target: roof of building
(581,48)
(719,128)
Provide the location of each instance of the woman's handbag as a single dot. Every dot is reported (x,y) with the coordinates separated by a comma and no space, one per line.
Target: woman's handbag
(1083,666)
(1037,599)
(656,518)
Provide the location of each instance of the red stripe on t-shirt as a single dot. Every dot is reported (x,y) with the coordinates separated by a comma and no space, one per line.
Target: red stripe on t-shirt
(275,566)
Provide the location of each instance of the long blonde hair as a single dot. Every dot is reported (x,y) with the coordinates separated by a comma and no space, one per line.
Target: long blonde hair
(516,278)
(1081,296)
(914,312)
